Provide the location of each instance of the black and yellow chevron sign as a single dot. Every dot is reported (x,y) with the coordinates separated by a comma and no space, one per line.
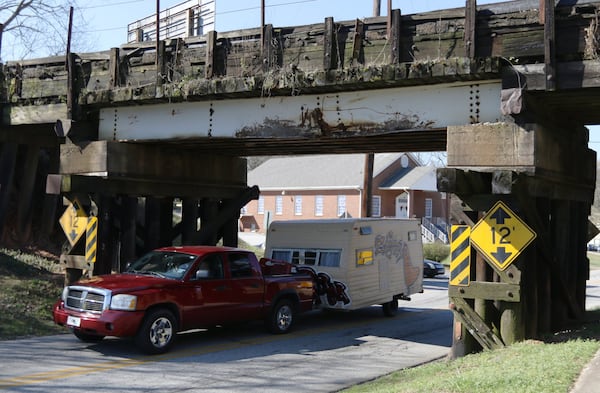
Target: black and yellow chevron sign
(91,239)
(460,255)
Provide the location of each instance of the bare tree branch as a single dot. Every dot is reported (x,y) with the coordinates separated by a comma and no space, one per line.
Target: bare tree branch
(35,27)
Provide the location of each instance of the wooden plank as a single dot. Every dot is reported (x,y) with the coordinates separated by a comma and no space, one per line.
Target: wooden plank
(211,46)
(395,37)
(470,28)
(190,213)
(487,291)
(503,144)
(143,186)
(8,161)
(114,68)
(75,262)
(151,162)
(329,46)
(545,247)
(476,326)
(458,181)
(34,114)
(128,233)
(161,66)
(357,43)
(267,48)
(18,80)
(547,18)
(26,193)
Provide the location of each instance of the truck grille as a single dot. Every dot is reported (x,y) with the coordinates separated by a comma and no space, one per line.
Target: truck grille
(84,299)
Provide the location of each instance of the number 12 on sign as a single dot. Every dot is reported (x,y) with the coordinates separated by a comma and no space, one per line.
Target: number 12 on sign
(501,236)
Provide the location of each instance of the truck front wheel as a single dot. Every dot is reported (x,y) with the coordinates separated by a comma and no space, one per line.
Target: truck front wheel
(282,317)
(157,333)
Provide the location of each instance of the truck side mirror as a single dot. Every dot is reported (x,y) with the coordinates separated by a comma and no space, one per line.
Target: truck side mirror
(201,273)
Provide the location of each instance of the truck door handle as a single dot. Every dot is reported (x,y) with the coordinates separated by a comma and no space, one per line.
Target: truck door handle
(221,288)
(255,285)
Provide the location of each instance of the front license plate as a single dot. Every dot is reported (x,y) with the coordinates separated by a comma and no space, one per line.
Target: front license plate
(73,321)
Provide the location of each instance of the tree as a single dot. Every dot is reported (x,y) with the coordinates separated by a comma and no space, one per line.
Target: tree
(34,27)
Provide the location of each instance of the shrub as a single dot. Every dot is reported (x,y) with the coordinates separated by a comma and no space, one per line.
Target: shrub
(436,251)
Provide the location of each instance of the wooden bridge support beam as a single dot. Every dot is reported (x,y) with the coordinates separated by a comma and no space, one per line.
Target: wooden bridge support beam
(190,213)
(8,159)
(26,192)
(128,234)
(553,194)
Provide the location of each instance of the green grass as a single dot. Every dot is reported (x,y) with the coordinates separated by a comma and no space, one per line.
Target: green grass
(546,366)
(30,286)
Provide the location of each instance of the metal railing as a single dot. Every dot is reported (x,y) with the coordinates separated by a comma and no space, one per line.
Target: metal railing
(427,224)
(187,19)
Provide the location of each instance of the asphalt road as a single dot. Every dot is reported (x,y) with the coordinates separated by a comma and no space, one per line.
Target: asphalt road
(326,352)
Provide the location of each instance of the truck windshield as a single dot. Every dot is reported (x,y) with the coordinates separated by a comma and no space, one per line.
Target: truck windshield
(164,264)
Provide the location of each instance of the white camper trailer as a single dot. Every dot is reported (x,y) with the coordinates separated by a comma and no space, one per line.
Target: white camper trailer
(356,262)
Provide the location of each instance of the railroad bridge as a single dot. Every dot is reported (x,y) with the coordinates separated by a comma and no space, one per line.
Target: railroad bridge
(506,89)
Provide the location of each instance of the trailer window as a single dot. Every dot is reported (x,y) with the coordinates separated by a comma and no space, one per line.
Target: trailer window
(310,257)
(330,258)
(313,257)
(296,257)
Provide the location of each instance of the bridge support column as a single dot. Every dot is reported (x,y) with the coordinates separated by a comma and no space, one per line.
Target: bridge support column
(211,187)
(547,176)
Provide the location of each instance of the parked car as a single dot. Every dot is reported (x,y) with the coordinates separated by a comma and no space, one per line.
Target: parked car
(432,268)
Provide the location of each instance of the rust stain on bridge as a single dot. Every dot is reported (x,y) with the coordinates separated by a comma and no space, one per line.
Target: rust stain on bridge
(312,124)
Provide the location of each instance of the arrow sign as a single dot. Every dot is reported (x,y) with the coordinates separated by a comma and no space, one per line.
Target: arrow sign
(501,255)
(500,236)
(500,215)
(73,222)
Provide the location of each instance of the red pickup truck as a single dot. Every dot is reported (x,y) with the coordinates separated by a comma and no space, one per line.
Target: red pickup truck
(174,289)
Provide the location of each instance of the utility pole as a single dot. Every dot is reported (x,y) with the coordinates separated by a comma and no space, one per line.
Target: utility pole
(377,8)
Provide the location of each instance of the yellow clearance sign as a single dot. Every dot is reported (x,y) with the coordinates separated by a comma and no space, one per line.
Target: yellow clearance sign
(73,222)
(501,236)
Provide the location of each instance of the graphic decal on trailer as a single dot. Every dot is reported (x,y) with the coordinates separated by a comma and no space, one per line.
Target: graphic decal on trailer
(391,247)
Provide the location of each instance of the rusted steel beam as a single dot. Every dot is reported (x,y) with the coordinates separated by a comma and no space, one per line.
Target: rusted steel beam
(470,28)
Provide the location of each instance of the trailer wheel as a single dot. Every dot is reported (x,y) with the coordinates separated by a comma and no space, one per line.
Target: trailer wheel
(390,308)
(282,317)
(157,332)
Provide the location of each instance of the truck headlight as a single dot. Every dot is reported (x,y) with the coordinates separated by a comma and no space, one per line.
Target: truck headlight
(123,302)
